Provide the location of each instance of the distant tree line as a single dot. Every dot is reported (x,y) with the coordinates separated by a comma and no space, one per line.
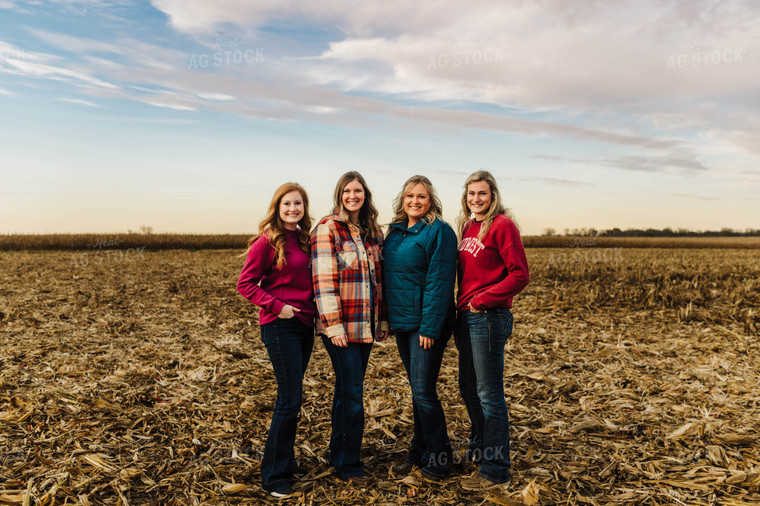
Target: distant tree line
(653,232)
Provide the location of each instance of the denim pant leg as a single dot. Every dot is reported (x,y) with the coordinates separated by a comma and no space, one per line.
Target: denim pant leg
(425,366)
(289,343)
(418,449)
(488,334)
(468,389)
(349,364)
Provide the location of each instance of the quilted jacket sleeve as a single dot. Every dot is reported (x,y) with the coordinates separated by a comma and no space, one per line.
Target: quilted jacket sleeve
(438,295)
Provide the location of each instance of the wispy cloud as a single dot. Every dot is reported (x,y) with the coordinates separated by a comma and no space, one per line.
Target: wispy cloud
(36,64)
(555,181)
(657,163)
(79,101)
(277,98)
(680,161)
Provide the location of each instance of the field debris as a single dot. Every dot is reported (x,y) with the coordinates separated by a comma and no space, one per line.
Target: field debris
(628,381)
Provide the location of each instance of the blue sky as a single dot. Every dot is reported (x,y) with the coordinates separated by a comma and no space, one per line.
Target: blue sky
(186,115)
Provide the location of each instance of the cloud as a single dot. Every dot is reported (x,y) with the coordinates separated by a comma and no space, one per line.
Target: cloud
(234,91)
(37,64)
(683,162)
(585,71)
(156,121)
(218,97)
(549,54)
(169,104)
(3,91)
(598,70)
(555,181)
(558,158)
(28,68)
(656,163)
(79,101)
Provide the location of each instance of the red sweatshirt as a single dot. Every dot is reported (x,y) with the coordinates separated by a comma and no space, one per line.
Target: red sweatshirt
(271,288)
(491,272)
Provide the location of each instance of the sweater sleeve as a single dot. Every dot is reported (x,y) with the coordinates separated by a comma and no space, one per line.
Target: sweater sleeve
(257,265)
(438,295)
(325,277)
(509,243)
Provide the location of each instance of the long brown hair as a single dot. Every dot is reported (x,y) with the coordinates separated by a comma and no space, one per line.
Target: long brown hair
(276,229)
(494,210)
(436,209)
(367,222)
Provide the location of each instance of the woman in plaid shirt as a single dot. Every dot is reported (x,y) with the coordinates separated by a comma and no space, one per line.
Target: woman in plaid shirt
(347,277)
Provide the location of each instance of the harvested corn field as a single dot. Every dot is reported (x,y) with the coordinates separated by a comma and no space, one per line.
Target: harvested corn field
(632,377)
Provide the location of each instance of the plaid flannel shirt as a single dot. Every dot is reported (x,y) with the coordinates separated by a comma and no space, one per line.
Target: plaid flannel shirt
(347,277)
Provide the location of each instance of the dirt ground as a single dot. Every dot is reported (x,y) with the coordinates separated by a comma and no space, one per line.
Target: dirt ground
(631,377)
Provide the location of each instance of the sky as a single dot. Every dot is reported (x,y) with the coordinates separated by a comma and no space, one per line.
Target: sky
(186,115)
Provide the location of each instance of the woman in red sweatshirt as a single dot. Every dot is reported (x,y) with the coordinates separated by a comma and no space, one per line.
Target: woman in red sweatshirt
(277,278)
(492,270)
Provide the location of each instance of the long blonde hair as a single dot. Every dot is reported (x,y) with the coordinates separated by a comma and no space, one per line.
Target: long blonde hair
(276,229)
(367,222)
(496,208)
(436,209)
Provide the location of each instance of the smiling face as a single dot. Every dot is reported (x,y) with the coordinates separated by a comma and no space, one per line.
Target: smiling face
(353,198)
(291,209)
(479,199)
(416,203)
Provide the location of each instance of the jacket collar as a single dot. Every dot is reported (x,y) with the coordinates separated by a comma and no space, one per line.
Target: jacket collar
(414,229)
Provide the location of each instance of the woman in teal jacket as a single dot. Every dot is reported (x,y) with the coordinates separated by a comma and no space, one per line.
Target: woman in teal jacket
(419,273)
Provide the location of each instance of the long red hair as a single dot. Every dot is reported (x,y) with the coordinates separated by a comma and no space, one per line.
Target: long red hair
(275,229)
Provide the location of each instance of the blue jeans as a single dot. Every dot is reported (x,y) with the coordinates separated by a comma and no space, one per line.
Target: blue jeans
(431,447)
(289,343)
(349,364)
(482,337)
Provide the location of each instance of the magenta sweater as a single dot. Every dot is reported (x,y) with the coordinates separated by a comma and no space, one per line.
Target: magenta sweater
(271,288)
(491,272)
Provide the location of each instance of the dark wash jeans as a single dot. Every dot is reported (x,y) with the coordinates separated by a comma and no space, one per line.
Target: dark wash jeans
(431,448)
(289,343)
(349,364)
(482,337)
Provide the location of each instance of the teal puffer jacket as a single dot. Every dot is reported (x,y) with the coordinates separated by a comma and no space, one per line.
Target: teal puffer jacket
(419,273)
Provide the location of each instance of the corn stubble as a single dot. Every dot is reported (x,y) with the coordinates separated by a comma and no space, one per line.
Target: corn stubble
(630,379)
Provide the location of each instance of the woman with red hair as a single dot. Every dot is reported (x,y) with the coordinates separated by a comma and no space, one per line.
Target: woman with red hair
(277,278)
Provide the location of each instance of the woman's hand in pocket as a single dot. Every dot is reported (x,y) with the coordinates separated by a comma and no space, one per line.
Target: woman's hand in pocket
(288,312)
